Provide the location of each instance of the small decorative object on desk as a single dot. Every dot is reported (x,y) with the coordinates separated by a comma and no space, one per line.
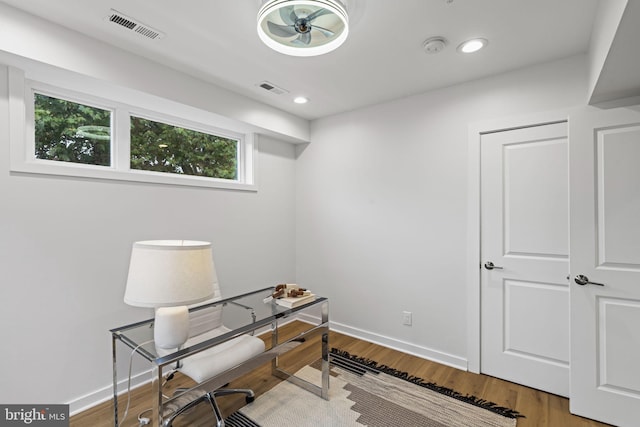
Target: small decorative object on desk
(290,295)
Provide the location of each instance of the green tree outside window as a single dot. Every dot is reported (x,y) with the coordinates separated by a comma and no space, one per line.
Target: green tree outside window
(66,131)
(161,147)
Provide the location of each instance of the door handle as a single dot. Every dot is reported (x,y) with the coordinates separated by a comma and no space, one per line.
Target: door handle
(582,280)
(489,266)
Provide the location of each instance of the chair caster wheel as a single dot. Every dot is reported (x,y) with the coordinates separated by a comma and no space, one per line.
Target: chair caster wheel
(249,399)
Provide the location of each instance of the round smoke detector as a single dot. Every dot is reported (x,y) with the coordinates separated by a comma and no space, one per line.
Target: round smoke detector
(434,44)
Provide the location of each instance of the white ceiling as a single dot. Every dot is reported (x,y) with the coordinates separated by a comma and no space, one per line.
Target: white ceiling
(382,59)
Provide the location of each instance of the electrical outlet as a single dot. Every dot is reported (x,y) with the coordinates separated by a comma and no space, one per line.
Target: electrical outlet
(406,318)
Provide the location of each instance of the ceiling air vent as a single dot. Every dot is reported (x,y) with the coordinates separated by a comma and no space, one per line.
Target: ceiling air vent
(272,88)
(133,25)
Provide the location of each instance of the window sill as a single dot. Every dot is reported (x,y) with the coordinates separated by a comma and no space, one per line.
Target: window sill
(107,173)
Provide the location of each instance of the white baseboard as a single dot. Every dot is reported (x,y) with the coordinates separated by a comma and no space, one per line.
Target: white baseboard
(405,347)
(106,393)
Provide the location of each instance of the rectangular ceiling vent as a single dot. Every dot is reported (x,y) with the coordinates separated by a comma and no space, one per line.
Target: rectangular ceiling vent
(133,25)
(272,88)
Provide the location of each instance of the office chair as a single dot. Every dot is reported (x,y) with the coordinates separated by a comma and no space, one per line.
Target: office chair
(203,325)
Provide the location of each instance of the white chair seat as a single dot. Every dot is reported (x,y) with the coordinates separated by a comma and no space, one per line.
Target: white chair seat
(215,360)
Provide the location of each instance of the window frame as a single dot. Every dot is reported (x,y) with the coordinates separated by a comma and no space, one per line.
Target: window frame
(22,110)
(190,125)
(76,99)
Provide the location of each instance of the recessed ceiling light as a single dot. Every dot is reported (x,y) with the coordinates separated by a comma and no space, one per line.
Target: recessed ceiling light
(472,45)
(300,100)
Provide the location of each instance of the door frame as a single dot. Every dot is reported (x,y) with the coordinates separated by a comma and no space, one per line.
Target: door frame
(475,132)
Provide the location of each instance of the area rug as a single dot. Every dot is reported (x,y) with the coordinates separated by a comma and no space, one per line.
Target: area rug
(363,393)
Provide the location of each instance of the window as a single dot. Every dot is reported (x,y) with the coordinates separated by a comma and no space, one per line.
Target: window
(76,134)
(66,131)
(162,147)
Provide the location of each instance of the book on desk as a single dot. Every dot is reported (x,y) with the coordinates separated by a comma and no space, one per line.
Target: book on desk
(292,302)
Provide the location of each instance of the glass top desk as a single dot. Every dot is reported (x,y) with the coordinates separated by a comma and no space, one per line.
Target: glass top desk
(242,314)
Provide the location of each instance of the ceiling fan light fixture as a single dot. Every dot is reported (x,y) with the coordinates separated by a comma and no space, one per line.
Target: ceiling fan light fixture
(303,27)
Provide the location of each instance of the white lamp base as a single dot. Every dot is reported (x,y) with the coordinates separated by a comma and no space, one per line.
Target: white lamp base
(171,326)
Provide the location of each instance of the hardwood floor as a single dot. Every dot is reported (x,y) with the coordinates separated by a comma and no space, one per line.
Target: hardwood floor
(540,409)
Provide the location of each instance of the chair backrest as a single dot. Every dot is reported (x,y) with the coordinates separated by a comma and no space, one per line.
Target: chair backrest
(201,321)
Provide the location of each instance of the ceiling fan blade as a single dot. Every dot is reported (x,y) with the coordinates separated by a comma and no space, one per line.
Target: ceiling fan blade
(281,30)
(324,31)
(317,13)
(303,39)
(288,15)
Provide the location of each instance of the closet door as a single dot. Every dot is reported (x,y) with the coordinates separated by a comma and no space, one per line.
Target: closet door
(525,235)
(604,152)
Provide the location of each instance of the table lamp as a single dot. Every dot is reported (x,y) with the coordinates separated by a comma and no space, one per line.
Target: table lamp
(168,275)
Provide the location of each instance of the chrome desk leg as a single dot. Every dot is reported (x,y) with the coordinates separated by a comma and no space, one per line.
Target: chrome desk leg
(321,329)
(115,381)
(324,393)
(156,394)
(274,344)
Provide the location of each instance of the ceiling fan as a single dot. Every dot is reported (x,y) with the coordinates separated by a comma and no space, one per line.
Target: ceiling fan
(303,27)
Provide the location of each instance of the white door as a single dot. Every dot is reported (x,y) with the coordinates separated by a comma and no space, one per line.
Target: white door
(525,234)
(605,249)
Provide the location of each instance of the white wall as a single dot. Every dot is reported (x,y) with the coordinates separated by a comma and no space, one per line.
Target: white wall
(382,206)
(64,248)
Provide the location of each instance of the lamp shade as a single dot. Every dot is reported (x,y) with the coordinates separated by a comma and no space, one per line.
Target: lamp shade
(165,273)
